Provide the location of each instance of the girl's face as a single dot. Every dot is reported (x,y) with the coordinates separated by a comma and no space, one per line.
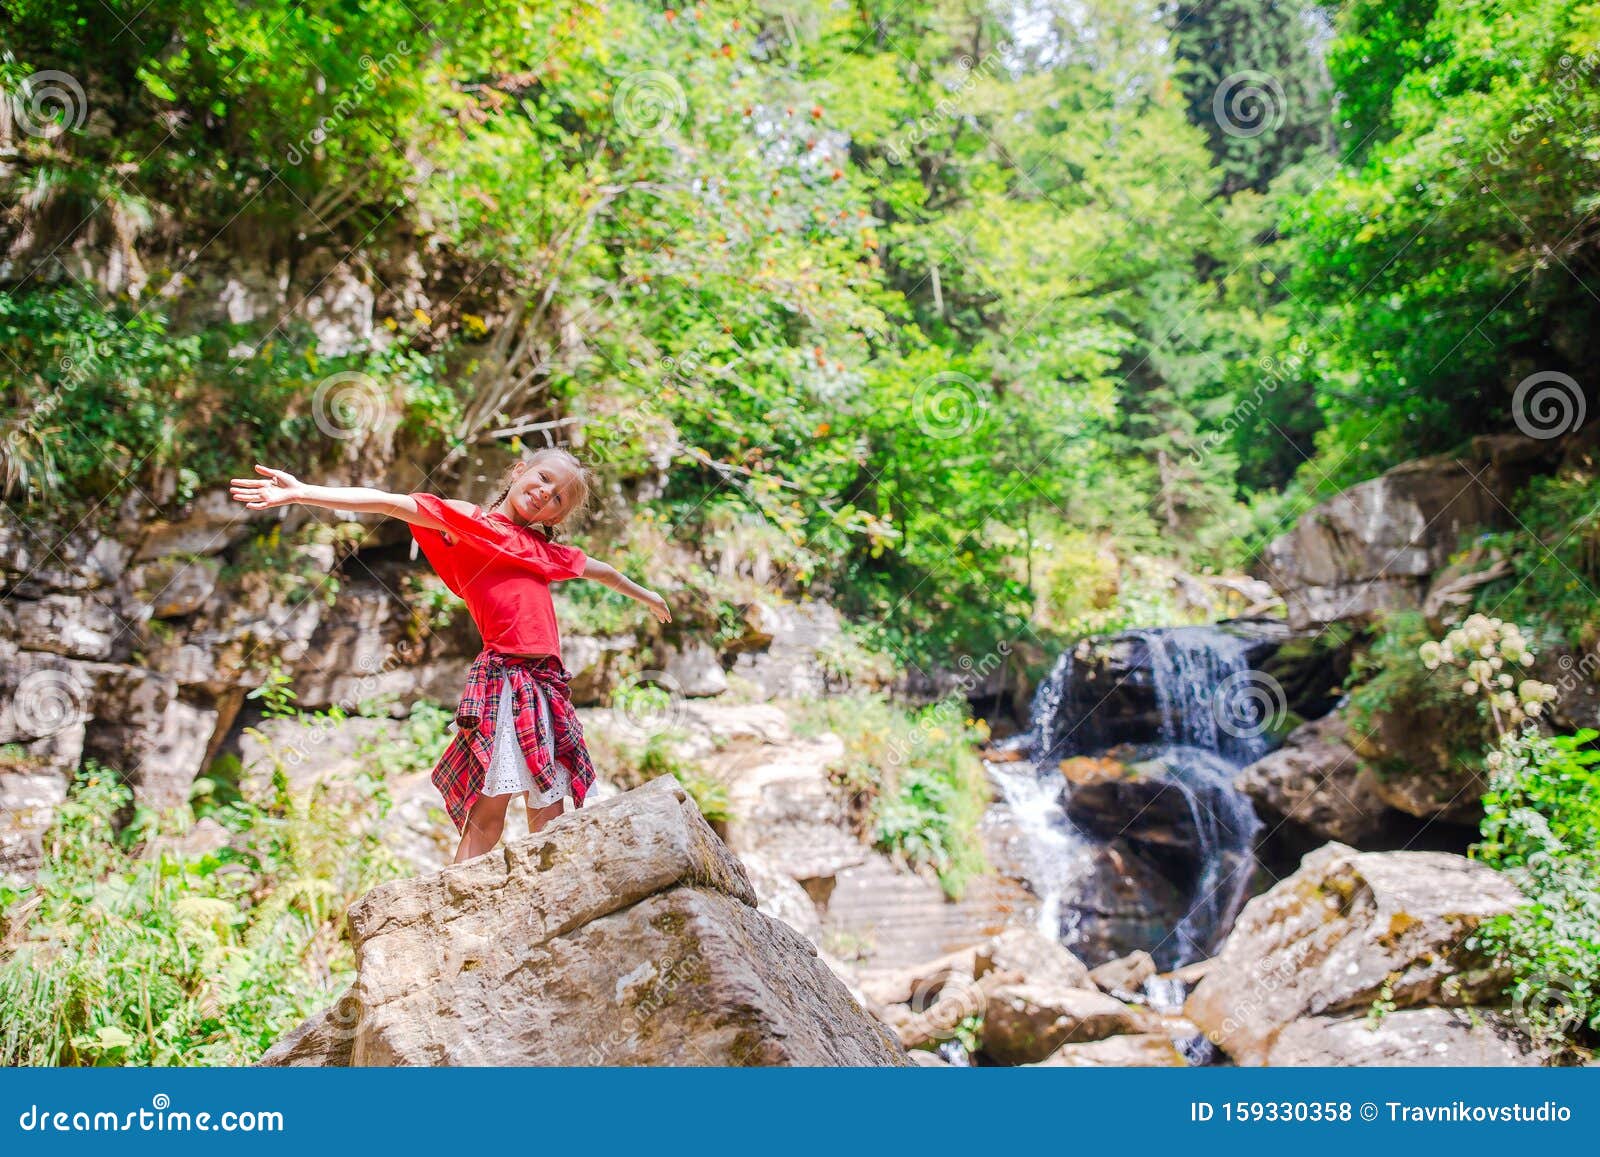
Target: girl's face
(541,493)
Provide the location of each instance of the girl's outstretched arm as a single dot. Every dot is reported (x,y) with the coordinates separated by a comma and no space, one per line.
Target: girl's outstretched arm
(278,488)
(603,572)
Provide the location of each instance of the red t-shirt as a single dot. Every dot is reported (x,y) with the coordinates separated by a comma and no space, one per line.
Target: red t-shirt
(503,571)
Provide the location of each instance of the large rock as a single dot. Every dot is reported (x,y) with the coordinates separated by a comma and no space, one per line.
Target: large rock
(1411,1037)
(695,669)
(927,1002)
(173,586)
(1347,928)
(1026,955)
(598,663)
(1147,802)
(1372,548)
(624,933)
(1135,1050)
(209,525)
(1126,974)
(1452,795)
(1025,1023)
(1317,781)
(36,558)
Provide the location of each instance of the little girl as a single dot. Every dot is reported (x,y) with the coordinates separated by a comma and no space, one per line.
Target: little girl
(516,729)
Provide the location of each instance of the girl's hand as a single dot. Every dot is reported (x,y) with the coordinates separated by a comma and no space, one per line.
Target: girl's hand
(658,605)
(276,489)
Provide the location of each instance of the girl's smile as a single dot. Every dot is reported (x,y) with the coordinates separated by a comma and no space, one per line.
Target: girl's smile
(538,494)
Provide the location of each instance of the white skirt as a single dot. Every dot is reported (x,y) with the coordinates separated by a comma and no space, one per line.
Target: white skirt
(508,772)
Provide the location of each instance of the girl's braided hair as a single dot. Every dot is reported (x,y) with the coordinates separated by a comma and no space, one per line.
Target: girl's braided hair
(581,490)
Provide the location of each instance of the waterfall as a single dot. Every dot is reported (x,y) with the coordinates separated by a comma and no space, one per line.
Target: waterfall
(1201,712)
(1045,710)
(1207,694)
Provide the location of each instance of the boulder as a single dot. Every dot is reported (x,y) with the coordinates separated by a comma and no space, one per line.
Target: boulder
(1025,1023)
(695,669)
(1371,548)
(171,587)
(1411,1037)
(1145,802)
(1453,795)
(760,624)
(1125,974)
(1146,1050)
(1028,955)
(77,626)
(925,1003)
(1345,929)
(623,933)
(597,663)
(146,729)
(209,525)
(36,559)
(1317,781)
(1122,902)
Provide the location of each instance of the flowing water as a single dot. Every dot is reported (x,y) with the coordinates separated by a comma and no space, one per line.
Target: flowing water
(1209,717)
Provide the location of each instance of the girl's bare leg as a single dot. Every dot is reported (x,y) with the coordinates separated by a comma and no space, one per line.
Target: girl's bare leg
(538,817)
(485,822)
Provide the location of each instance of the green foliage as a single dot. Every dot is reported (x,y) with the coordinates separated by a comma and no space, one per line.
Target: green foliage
(1554,555)
(915,783)
(1542,827)
(98,393)
(1253,60)
(127,952)
(1437,268)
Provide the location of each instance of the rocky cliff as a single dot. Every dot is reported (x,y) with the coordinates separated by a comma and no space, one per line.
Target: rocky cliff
(625,933)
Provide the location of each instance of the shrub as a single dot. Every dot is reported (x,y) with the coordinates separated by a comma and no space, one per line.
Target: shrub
(127,952)
(1542,827)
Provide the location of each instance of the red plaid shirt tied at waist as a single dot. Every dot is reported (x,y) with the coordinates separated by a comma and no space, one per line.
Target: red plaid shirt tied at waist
(540,693)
